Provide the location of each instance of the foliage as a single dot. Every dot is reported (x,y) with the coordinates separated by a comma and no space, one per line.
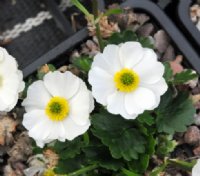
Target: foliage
(175,112)
(68,149)
(165,145)
(179,78)
(83,63)
(184,76)
(122,138)
(128,35)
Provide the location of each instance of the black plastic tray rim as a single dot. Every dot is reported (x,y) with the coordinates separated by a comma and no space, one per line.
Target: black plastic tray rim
(148,6)
(184,16)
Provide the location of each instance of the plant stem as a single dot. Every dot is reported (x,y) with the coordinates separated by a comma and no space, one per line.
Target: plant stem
(81,7)
(183,164)
(82,171)
(100,40)
(98,31)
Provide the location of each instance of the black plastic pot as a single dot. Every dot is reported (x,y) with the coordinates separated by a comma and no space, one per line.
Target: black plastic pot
(33,40)
(43,43)
(74,39)
(184,16)
(63,47)
(179,40)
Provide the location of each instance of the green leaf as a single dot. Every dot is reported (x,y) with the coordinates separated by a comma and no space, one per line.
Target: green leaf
(146,42)
(83,63)
(81,8)
(168,75)
(28,82)
(129,173)
(128,35)
(151,144)
(184,76)
(140,165)
(69,165)
(36,149)
(179,78)
(100,155)
(166,145)
(113,12)
(125,36)
(174,114)
(146,118)
(68,149)
(120,135)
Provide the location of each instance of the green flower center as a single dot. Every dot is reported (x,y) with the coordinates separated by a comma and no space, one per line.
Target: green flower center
(57,108)
(127,79)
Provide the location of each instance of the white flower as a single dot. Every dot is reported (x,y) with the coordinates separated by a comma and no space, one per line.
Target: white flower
(127,79)
(11,81)
(57,108)
(196,169)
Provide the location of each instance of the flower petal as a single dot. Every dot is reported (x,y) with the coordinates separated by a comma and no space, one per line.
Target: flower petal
(131,105)
(39,126)
(37,97)
(149,69)
(11,81)
(91,102)
(196,168)
(22,84)
(2,50)
(31,119)
(116,105)
(111,56)
(102,84)
(130,54)
(74,130)
(61,84)
(101,62)
(9,92)
(142,97)
(80,105)
(159,87)
(8,62)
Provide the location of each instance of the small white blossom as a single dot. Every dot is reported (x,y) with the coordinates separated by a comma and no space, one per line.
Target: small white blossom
(11,81)
(57,108)
(127,79)
(196,169)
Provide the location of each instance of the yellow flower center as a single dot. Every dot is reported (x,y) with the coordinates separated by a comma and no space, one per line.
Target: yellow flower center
(126,80)
(57,108)
(49,172)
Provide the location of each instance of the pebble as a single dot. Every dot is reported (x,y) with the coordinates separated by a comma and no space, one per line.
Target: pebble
(161,41)
(169,54)
(146,30)
(192,135)
(197,119)
(196,151)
